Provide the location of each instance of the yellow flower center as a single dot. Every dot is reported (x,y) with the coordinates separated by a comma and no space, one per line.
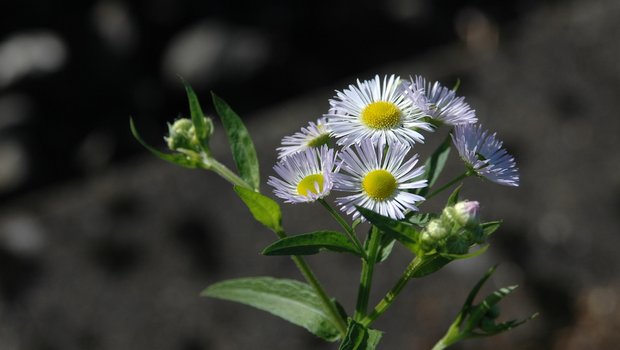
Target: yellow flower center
(381,115)
(379,184)
(307,184)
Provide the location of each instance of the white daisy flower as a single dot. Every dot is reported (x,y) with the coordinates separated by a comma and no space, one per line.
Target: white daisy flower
(306,175)
(314,135)
(438,102)
(484,155)
(375,110)
(379,178)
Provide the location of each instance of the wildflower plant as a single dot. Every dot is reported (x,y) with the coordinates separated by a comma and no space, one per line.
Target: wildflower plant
(362,152)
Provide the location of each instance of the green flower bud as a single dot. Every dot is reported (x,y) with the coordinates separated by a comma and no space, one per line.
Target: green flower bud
(434,234)
(182,136)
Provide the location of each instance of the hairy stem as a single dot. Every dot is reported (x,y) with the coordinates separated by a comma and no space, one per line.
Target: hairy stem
(347,228)
(368,267)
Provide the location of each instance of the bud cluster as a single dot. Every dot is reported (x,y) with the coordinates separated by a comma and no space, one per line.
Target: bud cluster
(182,136)
(455,230)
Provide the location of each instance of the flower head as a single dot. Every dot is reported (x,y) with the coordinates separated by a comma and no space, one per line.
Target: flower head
(375,110)
(312,136)
(438,102)
(379,179)
(484,155)
(305,176)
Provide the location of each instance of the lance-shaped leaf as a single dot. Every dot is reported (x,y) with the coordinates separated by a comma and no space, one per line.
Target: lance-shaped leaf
(198,117)
(399,230)
(420,219)
(241,143)
(435,164)
(385,248)
(291,300)
(454,197)
(472,295)
(264,209)
(478,312)
(312,243)
(360,338)
(434,262)
(489,227)
(174,158)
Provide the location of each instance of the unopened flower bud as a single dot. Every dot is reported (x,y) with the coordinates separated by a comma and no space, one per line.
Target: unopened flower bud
(434,234)
(464,213)
(182,135)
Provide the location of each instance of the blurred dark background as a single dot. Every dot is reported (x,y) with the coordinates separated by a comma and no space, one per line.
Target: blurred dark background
(102,246)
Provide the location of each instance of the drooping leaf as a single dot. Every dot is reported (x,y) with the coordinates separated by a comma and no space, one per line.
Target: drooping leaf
(360,338)
(312,243)
(198,117)
(264,209)
(241,143)
(454,197)
(435,164)
(399,230)
(291,300)
(174,158)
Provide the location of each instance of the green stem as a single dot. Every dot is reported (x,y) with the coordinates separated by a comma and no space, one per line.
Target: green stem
(452,336)
(389,298)
(210,163)
(444,187)
(314,282)
(348,229)
(310,277)
(368,267)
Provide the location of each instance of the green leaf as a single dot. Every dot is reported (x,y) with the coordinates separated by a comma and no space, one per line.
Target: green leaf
(472,295)
(508,325)
(291,300)
(430,264)
(421,219)
(174,158)
(360,338)
(435,164)
(385,248)
(399,230)
(198,117)
(466,256)
(312,243)
(481,309)
(264,209)
(489,227)
(241,144)
(454,197)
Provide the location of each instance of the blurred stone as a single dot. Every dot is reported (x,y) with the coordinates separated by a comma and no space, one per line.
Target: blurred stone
(14,165)
(29,53)
(114,24)
(213,50)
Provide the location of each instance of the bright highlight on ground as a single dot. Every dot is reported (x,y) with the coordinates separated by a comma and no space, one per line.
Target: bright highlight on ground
(381,115)
(379,184)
